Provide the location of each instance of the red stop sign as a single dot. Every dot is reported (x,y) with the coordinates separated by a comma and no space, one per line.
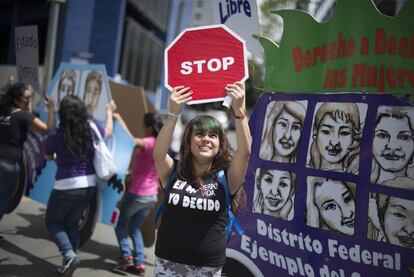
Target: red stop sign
(206,59)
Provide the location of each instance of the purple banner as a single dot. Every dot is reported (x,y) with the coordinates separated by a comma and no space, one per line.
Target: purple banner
(330,187)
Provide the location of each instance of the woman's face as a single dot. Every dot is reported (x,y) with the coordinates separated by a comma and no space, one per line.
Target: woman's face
(393,144)
(286,134)
(333,138)
(92,94)
(336,206)
(25,100)
(204,145)
(399,222)
(276,187)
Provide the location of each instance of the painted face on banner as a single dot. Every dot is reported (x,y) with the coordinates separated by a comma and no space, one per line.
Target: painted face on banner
(286,134)
(336,206)
(393,144)
(67,87)
(276,187)
(333,139)
(399,222)
(92,95)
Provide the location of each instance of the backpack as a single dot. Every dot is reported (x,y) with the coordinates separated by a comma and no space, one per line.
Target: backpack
(231,220)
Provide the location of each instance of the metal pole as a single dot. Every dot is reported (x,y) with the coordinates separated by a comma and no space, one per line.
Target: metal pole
(52,27)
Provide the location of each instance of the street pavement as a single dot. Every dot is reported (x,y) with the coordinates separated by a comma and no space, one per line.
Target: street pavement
(28,250)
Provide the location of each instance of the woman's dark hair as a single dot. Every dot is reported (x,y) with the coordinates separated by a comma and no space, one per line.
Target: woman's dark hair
(154,121)
(74,126)
(13,94)
(205,124)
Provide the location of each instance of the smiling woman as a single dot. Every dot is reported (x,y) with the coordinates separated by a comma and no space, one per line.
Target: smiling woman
(191,239)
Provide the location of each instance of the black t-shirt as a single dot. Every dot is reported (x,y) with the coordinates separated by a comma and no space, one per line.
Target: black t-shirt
(192,225)
(13,133)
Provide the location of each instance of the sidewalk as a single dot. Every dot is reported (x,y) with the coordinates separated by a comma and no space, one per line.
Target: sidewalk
(28,251)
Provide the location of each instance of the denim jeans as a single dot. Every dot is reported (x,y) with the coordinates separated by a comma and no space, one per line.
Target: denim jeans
(134,210)
(64,211)
(9,177)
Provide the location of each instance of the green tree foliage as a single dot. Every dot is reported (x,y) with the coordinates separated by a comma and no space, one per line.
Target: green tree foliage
(254,84)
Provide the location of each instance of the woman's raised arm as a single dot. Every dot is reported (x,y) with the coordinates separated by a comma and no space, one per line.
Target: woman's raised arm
(238,166)
(164,163)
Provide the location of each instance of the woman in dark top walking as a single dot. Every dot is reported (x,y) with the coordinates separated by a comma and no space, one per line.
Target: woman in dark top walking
(15,121)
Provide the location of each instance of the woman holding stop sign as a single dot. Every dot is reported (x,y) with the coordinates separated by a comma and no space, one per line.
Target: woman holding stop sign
(191,239)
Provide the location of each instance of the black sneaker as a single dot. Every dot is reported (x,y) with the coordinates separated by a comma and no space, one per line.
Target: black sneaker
(68,266)
(2,238)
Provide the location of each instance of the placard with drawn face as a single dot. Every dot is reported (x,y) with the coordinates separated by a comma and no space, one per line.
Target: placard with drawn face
(274,193)
(330,204)
(336,135)
(89,82)
(393,147)
(391,220)
(94,94)
(282,130)
(65,85)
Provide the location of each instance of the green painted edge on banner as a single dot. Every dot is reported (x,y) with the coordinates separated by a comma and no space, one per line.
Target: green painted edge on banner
(358,50)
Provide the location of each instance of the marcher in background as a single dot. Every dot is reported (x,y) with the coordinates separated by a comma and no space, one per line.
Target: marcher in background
(140,197)
(10,81)
(191,239)
(71,146)
(15,122)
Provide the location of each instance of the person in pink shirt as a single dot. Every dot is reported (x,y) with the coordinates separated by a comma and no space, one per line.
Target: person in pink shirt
(139,199)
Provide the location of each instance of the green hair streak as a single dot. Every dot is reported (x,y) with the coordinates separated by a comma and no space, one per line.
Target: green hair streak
(206,124)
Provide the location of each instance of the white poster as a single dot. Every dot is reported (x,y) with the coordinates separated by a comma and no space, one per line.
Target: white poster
(241,16)
(27,58)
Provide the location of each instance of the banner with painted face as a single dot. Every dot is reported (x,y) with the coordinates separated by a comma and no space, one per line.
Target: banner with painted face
(90,83)
(330,183)
(330,187)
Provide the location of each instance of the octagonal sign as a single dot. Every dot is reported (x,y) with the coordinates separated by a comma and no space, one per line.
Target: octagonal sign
(206,59)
